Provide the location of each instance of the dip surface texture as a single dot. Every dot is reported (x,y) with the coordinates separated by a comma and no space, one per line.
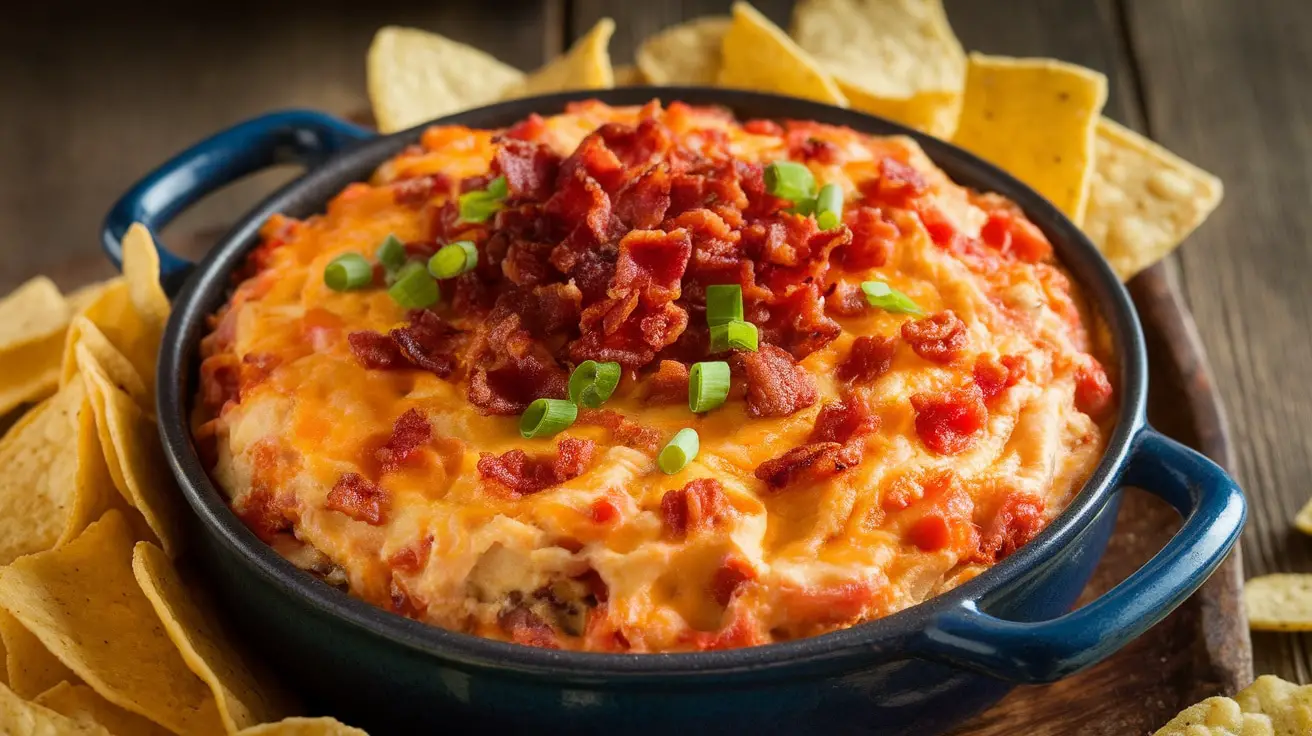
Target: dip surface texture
(864,460)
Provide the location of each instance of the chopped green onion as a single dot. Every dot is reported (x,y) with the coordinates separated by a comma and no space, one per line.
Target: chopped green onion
(454,259)
(724,303)
(829,207)
(708,385)
(414,288)
(392,253)
(736,335)
(881,295)
(348,271)
(679,451)
(479,205)
(789,180)
(592,383)
(803,208)
(545,417)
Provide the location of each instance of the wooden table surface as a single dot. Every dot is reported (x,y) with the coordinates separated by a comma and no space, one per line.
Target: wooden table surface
(91,99)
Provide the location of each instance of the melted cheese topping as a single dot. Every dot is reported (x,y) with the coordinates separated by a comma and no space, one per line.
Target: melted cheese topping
(823,555)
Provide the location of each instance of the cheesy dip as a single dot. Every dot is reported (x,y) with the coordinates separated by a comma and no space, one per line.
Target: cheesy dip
(652,379)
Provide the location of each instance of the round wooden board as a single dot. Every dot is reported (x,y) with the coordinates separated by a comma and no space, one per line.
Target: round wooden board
(1203,648)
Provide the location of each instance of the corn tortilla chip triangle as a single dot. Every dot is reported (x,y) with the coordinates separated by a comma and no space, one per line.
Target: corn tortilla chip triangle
(1281,602)
(95,492)
(1303,521)
(247,696)
(84,295)
(82,601)
(18,717)
(38,485)
(628,76)
(141,271)
(1143,199)
(586,65)
(1289,706)
(304,727)
(931,112)
(415,76)
(136,461)
(28,379)
(83,705)
(30,668)
(1035,119)
(684,54)
(1216,717)
(758,55)
(116,316)
(32,312)
(82,331)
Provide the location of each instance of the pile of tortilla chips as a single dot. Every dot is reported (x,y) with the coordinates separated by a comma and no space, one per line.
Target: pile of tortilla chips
(1268,707)
(101,632)
(1039,119)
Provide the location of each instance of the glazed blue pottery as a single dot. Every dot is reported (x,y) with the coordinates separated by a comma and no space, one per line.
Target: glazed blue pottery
(917,672)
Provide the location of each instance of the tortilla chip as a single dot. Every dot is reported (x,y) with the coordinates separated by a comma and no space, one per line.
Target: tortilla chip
(1289,706)
(1216,717)
(685,54)
(1143,199)
(629,76)
(585,66)
(898,59)
(21,718)
(82,602)
(1303,521)
(32,322)
(82,704)
(1035,119)
(1280,602)
(81,297)
(82,331)
(95,492)
(38,484)
(758,55)
(136,461)
(127,329)
(304,727)
(935,113)
(415,76)
(247,696)
(30,668)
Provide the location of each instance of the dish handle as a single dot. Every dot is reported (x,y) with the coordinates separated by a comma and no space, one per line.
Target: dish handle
(303,137)
(1213,508)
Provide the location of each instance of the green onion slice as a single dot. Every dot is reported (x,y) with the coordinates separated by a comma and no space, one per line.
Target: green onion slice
(724,303)
(789,180)
(454,259)
(679,451)
(736,335)
(348,271)
(545,417)
(592,383)
(391,253)
(479,205)
(414,288)
(829,206)
(881,295)
(708,385)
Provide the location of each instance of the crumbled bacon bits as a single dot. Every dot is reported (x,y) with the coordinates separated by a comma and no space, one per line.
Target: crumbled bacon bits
(869,358)
(360,499)
(521,475)
(732,574)
(411,430)
(1018,519)
(700,505)
(843,421)
(776,385)
(940,338)
(950,421)
(810,463)
(523,626)
(995,375)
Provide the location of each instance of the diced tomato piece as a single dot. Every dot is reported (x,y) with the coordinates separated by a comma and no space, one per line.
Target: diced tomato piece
(1093,391)
(949,422)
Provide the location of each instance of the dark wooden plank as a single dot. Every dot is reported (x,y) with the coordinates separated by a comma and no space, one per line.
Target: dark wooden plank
(1225,85)
(109,90)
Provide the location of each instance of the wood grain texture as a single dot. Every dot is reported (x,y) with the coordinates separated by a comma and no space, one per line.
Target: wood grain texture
(1226,87)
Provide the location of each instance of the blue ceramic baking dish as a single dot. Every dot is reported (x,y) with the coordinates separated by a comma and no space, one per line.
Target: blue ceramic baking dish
(917,672)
